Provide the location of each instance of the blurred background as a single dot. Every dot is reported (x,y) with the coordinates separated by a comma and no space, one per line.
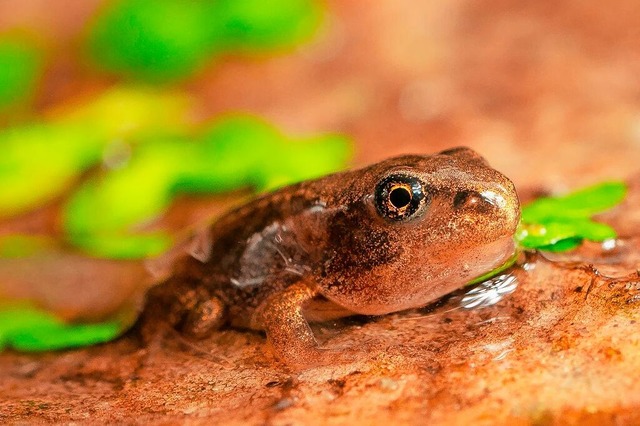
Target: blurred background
(123,123)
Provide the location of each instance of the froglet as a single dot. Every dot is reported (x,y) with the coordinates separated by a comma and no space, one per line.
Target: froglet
(389,237)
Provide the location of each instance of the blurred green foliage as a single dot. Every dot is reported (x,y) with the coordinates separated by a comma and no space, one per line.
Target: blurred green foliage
(103,216)
(130,113)
(20,69)
(18,246)
(39,161)
(562,223)
(234,152)
(27,328)
(152,39)
(160,40)
(146,153)
(135,148)
(254,25)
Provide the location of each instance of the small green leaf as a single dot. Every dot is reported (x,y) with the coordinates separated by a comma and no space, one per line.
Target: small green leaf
(27,328)
(593,231)
(562,223)
(123,246)
(64,336)
(39,161)
(257,25)
(137,39)
(20,70)
(562,245)
(580,204)
(548,233)
(152,40)
(538,234)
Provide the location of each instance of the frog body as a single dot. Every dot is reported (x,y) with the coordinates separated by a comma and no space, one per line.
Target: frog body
(392,236)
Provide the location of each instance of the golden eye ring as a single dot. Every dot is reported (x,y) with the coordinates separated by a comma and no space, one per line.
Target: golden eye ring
(400,197)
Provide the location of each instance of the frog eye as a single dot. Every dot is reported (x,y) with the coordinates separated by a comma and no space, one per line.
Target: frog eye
(399,197)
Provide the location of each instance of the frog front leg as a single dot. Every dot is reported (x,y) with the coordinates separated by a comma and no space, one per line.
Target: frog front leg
(184,306)
(281,316)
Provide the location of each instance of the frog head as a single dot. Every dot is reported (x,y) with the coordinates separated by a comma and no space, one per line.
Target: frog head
(414,228)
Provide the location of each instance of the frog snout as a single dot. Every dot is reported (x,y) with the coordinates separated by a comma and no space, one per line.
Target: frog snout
(493,198)
(482,201)
(500,202)
(505,200)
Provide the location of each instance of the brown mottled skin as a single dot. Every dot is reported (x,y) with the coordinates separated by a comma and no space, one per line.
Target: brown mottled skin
(358,242)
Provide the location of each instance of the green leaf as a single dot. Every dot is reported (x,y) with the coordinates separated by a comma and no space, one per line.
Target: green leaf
(123,246)
(20,70)
(152,40)
(580,204)
(562,223)
(39,161)
(259,25)
(164,40)
(562,245)
(27,328)
(544,234)
(128,113)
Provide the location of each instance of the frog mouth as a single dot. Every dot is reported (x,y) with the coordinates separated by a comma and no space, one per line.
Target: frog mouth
(503,267)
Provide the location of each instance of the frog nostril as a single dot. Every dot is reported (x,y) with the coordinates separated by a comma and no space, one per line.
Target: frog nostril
(465,199)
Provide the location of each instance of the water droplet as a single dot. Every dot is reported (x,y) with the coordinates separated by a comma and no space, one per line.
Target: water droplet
(489,292)
(609,244)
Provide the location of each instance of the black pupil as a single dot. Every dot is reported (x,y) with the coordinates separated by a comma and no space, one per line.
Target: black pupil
(400,197)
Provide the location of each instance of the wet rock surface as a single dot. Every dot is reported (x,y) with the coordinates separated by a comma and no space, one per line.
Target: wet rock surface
(547,92)
(559,349)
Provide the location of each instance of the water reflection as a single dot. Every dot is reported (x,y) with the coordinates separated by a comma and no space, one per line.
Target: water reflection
(489,292)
